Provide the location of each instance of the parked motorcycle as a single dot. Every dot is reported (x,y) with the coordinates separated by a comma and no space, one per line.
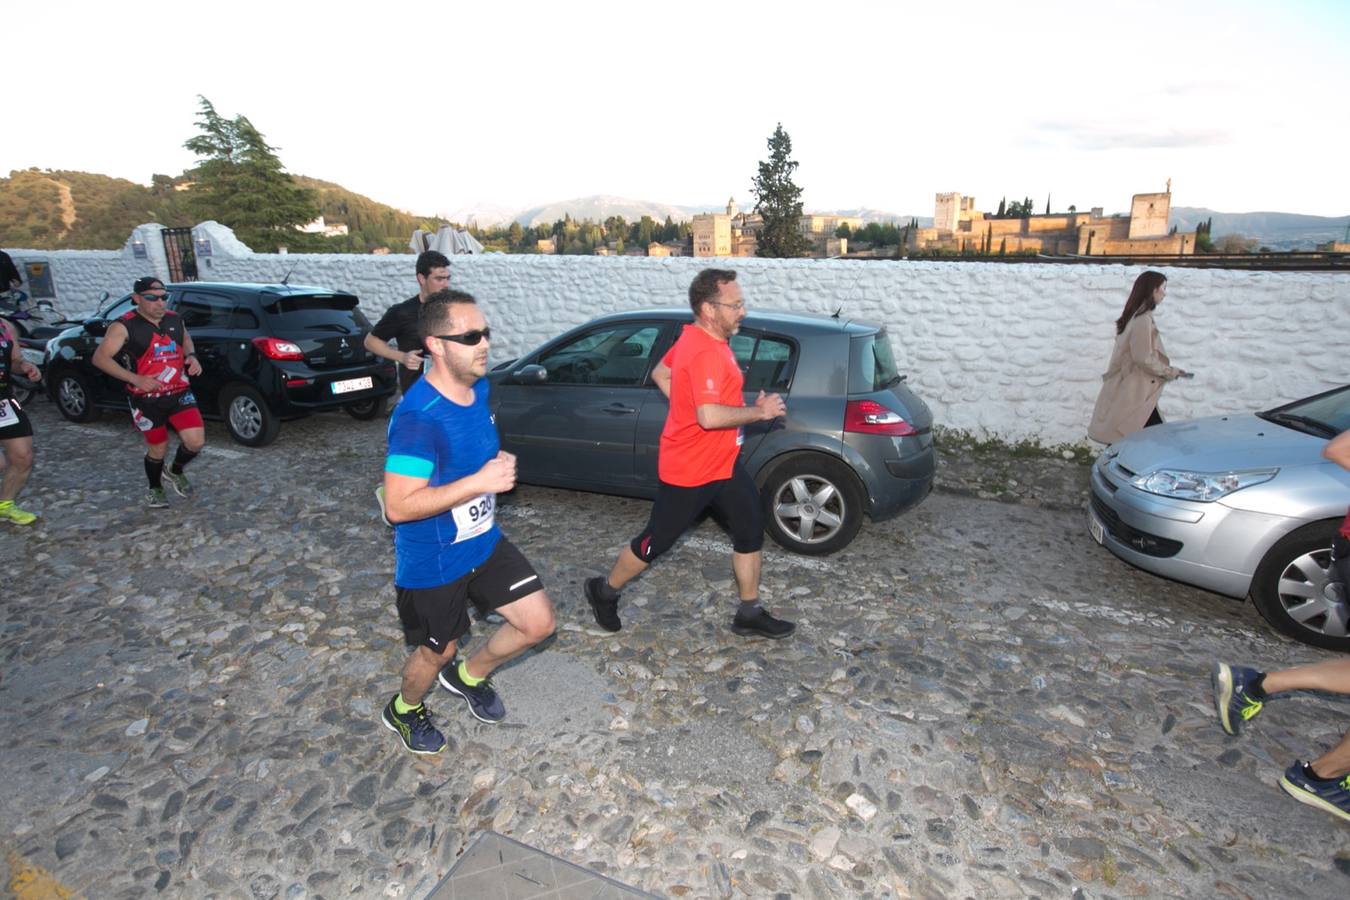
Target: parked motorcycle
(41,320)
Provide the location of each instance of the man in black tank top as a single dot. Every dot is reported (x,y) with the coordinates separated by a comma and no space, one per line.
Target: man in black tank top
(16,432)
(150,349)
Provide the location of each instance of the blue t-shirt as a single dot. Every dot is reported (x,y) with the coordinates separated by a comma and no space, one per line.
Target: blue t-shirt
(435,438)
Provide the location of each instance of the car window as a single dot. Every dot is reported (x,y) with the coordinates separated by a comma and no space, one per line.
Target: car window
(118,309)
(1331,410)
(614,356)
(332,313)
(872,364)
(765,360)
(244,319)
(201,311)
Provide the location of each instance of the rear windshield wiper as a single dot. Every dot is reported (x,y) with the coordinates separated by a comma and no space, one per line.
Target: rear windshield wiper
(894,381)
(1308,424)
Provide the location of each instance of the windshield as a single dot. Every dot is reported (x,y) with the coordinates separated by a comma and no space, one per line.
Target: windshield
(1325,415)
(336,313)
(872,364)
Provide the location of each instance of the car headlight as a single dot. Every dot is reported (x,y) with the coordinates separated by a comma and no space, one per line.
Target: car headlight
(1202,486)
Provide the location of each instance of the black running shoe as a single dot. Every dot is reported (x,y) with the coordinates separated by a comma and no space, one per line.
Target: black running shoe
(761,624)
(414,728)
(606,611)
(1232,695)
(1331,795)
(483,701)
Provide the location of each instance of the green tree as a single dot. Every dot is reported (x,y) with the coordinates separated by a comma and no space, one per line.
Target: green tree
(241,183)
(843,231)
(779,201)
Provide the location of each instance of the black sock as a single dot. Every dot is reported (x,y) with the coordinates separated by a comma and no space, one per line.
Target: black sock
(606,592)
(1308,770)
(154,470)
(1256,688)
(181,459)
(748,608)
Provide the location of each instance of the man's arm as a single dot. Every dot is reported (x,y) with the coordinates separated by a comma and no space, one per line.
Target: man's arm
(29,371)
(190,355)
(105,360)
(661,378)
(1338,451)
(408,498)
(712,416)
(376,343)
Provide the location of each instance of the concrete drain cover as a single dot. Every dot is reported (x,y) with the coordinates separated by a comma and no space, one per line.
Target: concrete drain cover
(498,868)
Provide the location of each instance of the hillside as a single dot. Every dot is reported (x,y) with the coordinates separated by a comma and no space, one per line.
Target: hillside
(55,209)
(1277,230)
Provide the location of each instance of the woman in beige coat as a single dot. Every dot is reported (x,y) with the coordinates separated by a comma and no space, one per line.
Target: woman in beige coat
(1138,369)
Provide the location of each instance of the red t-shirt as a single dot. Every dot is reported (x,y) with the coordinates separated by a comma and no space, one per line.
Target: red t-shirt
(702,370)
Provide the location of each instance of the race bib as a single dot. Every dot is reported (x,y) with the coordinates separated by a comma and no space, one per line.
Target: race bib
(474,517)
(8,416)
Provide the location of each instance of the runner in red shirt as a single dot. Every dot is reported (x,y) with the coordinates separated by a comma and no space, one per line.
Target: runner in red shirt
(149,348)
(698,462)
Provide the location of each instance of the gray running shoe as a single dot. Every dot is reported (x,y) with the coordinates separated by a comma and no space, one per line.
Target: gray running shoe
(156,499)
(181,486)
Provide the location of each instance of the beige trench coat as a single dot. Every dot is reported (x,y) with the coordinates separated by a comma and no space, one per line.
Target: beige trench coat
(1133,381)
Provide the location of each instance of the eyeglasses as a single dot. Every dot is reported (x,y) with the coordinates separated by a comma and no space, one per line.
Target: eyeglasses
(736,306)
(467,338)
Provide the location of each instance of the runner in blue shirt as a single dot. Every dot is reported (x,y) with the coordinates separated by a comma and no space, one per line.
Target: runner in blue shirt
(441,480)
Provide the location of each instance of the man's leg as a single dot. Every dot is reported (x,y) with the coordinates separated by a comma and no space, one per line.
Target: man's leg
(737,502)
(419,672)
(529,620)
(746,566)
(191,438)
(18,463)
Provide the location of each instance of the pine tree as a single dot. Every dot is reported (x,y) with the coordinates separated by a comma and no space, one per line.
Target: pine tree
(779,201)
(241,183)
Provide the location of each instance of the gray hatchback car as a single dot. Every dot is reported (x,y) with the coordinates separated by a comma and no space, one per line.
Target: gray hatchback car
(1236,504)
(582,412)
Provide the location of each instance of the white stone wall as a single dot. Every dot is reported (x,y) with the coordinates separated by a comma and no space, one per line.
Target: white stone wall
(1012,350)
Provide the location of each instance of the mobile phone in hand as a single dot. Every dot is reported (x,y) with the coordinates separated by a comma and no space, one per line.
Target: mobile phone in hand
(1186,375)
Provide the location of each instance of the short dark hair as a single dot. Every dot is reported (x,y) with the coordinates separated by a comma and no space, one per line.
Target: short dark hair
(148,283)
(434,316)
(431,259)
(706,286)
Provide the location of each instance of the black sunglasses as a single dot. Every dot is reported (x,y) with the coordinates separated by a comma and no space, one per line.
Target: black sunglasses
(468,338)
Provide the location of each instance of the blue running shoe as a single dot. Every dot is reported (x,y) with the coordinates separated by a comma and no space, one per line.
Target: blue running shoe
(414,728)
(483,701)
(1232,697)
(1331,796)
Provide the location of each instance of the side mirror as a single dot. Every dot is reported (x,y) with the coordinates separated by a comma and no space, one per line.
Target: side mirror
(95,327)
(531,374)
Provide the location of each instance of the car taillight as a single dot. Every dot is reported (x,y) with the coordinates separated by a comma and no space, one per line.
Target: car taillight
(870,417)
(276,348)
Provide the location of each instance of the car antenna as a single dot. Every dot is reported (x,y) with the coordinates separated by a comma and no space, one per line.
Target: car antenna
(287,279)
(837,312)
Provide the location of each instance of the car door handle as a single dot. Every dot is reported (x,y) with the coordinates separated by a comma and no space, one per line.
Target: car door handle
(619,409)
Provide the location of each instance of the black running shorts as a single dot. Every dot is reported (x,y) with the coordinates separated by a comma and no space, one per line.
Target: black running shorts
(435,617)
(16,424)
(735,501)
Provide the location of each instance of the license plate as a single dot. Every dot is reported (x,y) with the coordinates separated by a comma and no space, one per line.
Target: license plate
(1095,528)
(353,384)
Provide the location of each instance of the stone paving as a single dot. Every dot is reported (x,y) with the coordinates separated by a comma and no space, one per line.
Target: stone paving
(978,702)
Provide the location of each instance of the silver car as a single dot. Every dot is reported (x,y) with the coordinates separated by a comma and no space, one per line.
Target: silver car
(1242,504)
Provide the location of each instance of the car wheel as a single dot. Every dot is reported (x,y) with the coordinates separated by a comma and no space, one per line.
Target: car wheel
(365,410)
(812,504)
(1289,589)
(247,416)
(74,397)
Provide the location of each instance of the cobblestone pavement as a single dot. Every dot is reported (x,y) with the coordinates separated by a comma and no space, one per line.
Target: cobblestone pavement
(978,702)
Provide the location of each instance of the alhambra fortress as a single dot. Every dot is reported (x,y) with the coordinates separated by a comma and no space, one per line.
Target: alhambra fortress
(958,227)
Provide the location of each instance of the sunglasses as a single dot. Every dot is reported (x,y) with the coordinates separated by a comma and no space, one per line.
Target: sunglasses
(467,338)
(154,298)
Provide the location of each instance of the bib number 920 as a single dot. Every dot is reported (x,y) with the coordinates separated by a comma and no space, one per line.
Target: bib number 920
(475,516)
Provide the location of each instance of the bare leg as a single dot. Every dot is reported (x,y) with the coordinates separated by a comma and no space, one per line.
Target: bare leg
(157,451)
(1332,676)
(18,463)
(529,620)
(1335,763)
(626,568)
(746,566)
(420,671)
(193,439)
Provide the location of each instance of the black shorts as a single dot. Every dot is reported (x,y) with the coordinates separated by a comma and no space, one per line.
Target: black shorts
(153,415)
(735,501)
(18,428)
(434,617)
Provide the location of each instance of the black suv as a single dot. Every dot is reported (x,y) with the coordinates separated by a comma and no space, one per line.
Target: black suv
(268,352)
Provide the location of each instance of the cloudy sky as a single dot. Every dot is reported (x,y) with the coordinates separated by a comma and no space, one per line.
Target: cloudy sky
(435,107)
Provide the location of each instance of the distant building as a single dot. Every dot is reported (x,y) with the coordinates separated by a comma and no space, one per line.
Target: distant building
(602,250)
(318,227)
(546,245)
(655,249)
(959,227)
(735,233)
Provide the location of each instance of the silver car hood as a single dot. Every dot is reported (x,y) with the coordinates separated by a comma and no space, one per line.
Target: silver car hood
(1218,444)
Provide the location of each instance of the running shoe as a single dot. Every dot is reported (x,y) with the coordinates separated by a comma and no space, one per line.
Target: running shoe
(12,513)
(1232,700)
(414,728)
(156,499)
(379,498)
(1331,795)
(761,624)
(483,701)
(181,486)
(606,611)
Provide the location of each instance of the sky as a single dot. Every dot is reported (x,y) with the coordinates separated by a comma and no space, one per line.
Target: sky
(439,107)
